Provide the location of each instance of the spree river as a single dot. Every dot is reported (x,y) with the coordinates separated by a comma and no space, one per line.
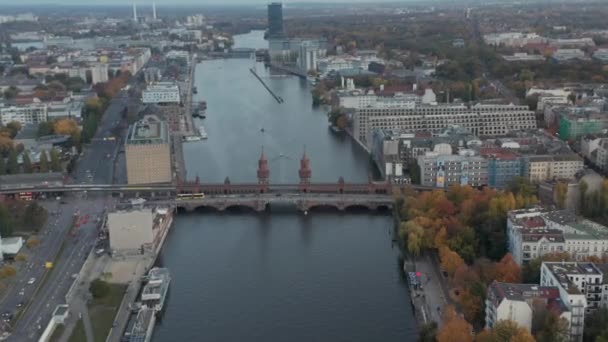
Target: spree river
(278,276)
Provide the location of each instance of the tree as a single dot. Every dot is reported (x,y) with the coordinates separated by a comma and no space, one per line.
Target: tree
(8,271)
(2,166)
(55,162)
(32,242)
(428,332)
(6,221)
(34,216)
(11,92)
(45,128)
(596,324)
(99,288)
(507,270)
(561,190)
(13,165)
(44,162)
(27,162)
(554,329)
(454,328)
(65,127)
(14,127)
(583,186)
(450,260)
(6,144)
(505,330)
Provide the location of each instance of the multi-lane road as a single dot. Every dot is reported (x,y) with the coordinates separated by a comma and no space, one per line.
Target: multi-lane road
(96,165)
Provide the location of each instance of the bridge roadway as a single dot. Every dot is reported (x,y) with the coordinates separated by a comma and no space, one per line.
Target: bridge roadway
(302,201)
(215,188)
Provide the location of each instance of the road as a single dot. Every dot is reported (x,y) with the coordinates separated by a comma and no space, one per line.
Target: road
(96,165)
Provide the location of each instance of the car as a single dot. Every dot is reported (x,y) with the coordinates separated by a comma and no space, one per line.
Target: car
(6,314)
(31,281)
(20,304)
(22,292)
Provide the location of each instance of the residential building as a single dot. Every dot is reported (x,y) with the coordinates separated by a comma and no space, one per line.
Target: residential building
(538,168)
(480,119)
(601,54)
(517,302)
(538,231)
(148,152)
(503,166)
(595,149)
(513,39)
(161,92)
(99,73)
(573,280)
(442,171)
(31,113)
(523,57)
(574,42)
(568,54)
(576,125)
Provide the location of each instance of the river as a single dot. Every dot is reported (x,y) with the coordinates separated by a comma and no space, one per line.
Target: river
(278,276)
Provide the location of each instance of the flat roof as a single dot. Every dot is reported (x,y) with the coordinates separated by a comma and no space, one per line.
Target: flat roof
(149,130)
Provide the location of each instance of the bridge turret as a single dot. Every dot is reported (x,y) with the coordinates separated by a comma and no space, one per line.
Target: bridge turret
(305,172)
(263,172)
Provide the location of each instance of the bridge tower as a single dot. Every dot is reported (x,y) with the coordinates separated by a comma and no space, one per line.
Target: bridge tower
(263,172)
(305,173)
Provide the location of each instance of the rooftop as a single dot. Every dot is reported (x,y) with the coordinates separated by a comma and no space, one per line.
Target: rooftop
(522,292)
(149,130)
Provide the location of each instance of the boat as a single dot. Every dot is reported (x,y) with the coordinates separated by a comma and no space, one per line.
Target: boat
(194,90)
(155,291)
(192,138)
(202,133)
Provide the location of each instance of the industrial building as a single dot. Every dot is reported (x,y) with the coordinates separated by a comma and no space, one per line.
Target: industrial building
(148,152)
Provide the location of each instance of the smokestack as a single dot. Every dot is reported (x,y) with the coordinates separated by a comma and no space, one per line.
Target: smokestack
(154,9)
(134,11)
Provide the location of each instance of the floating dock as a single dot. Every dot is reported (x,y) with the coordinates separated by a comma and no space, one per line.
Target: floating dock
(276,97)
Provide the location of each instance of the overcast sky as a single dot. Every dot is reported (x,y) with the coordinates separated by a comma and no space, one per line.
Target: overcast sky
(178,2)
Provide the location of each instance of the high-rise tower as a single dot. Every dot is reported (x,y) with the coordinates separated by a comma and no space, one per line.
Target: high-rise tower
(275,20)
(134,11)
(154,9)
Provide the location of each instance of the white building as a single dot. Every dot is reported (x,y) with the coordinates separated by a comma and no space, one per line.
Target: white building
(568,54)
(515,302)
(161,92)
(535,232)
(601,54)
(99,73)
(480,120)
(576,283)
(309,54)
(11,246)
(513,39)
(33,113)
(358,99)
(523,57)
(441,170)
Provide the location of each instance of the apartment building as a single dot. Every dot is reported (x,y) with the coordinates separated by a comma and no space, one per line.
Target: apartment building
(445,170)
(535,232)
(538,168)
(480,120)
(516,302)
(25,114)
(503,166)
(161,92)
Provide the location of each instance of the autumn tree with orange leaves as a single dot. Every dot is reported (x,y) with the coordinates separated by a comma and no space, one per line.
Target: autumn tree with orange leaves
(454,328)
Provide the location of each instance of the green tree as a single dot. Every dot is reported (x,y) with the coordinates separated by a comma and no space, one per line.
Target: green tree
(2,165)
(13,165)
(99,288)
(11,92)
(14,127)
(44,162)
(34,216)
(6,221)
(428,332)
(45,128)
(561,191)
(583,187)
(55,162)
(27,162)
